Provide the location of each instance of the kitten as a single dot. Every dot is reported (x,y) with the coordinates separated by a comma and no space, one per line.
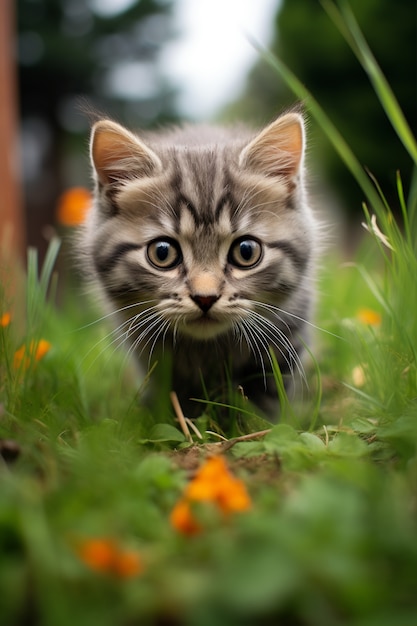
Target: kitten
(203,245)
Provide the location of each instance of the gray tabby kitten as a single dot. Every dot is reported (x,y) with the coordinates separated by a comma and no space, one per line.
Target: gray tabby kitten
(202,243)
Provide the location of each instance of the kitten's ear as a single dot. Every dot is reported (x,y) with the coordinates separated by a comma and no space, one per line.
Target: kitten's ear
(278,150)
(118,155)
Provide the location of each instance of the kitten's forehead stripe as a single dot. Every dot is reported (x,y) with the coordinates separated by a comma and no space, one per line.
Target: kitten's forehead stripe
(226,201)
(201,184)
(176,177)
(184,202)
(230,193)
(203,167)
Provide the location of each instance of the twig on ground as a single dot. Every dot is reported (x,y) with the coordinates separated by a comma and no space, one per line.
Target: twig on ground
(180,416)
(193,427)
(226,445)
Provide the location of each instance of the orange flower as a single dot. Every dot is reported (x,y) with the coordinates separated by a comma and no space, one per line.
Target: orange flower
(105,556)
(5,319)
(36,352)
(215,467)
(182,518)
(73,206)
(127,564)
(98,554)
(369,317)
(213,483)
(233,496)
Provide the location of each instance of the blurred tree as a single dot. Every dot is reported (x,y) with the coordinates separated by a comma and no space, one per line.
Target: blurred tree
(104,52)
(310,44)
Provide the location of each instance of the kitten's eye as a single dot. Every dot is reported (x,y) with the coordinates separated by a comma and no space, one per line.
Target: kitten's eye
(164,253)
(245,252)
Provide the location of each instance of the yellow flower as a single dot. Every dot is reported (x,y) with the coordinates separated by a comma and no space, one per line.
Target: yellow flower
(369,317)
(73,206)
(5,319)
(358,376)
(215,484)
(104,555)
(36,351)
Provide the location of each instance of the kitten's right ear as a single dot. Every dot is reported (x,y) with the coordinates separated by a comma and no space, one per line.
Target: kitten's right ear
(278,150)
(118,155)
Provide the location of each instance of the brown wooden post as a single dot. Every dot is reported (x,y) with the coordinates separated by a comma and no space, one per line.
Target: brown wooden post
(12,235)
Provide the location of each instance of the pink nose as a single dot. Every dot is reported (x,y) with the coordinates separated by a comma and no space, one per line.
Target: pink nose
(205,302)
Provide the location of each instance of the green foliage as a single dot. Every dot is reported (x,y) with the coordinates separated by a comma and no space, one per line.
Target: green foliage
(331,537)
(70,51)
(306,40)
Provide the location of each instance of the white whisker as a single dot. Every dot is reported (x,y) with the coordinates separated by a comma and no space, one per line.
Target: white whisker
(125,330)
(281,342)
(149,324)
(161,330)
(115,312)
(253,345)
(277,310)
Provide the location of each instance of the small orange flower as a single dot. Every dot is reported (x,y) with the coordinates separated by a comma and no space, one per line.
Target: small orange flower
(369,317)
(73,206)
(214,467)
(182,518)
(105,556)
(213,483)
(233,497)
(36,351)
(127,564)
(5,319)
(98,554)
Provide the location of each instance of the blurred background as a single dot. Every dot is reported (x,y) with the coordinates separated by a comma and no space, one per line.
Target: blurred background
(148,63)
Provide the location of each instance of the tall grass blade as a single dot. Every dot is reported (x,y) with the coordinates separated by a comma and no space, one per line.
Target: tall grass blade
(48,266)
(404,212)
(37,286)
(285,406)
(345,21)
(333,134)
(412,206)
(319,392)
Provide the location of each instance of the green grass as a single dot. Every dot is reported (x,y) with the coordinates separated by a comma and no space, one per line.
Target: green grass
(331,538)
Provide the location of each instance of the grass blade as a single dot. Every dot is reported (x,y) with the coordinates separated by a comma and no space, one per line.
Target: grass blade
(37,286)
(333,134)
(48,265)
(346,22)
(284,403)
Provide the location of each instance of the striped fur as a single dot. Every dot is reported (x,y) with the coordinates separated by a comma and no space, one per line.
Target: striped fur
(226,212)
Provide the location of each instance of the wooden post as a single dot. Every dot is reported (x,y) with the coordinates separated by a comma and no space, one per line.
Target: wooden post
(12,236)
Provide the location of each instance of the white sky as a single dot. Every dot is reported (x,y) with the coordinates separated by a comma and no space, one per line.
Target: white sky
(212,54)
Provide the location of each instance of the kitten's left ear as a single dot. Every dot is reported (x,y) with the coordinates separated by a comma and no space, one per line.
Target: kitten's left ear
(278,150)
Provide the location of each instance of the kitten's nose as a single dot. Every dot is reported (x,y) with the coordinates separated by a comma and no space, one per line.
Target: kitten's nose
(205,302)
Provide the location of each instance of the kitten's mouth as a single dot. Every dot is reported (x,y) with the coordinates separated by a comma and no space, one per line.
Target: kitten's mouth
(205,326)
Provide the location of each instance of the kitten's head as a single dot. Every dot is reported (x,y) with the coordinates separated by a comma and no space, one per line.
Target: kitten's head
(202,224)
